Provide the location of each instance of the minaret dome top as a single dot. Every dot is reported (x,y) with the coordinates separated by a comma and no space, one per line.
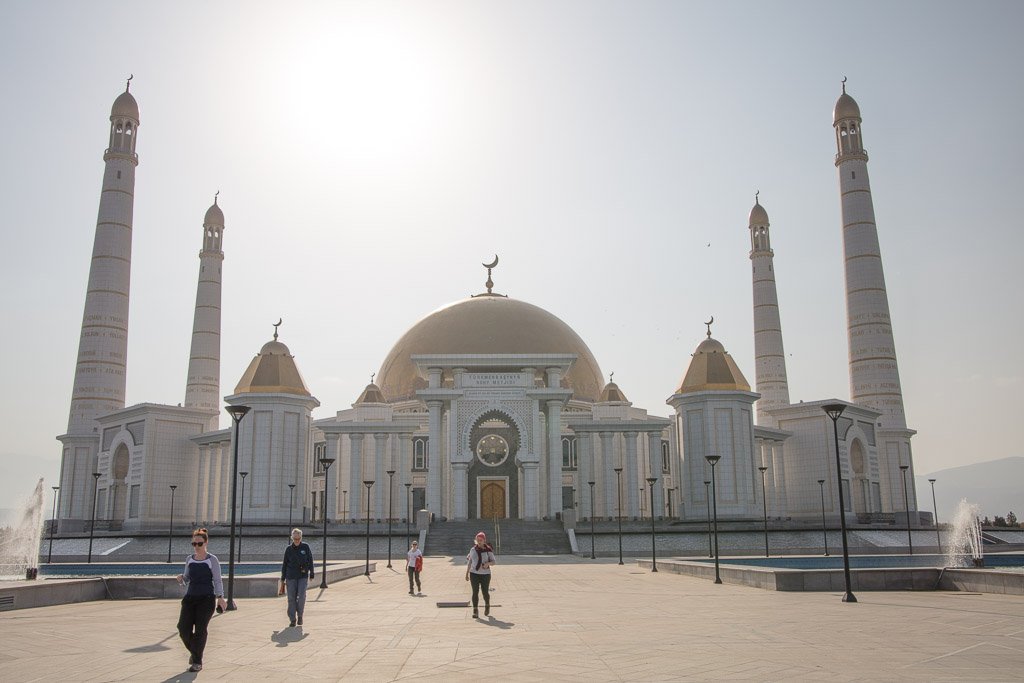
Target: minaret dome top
(214,216)
(125,105)
(846,107)
(758,216)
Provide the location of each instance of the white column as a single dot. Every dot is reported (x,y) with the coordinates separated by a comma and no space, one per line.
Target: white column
(203,485)
(434,455)
(611,495)
(213,485)
(779,470)
(225,481)
(460,483)
(405,459)
(632,473)
(380,488)
(554,420)
(355,484)
(585,453)
(654,457)
(531,490)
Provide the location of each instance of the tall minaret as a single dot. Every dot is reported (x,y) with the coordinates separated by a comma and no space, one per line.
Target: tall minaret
(769,355)
(103,347)
(203,386)
(874,375)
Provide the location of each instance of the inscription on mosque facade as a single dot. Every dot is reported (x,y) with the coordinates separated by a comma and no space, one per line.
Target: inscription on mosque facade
(493,379)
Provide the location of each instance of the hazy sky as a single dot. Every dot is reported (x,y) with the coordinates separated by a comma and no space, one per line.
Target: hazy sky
(370,155)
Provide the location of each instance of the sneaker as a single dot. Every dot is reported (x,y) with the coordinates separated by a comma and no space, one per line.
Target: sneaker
(196,667)
(487,610)
(300,620)
(410,593)
(291,623)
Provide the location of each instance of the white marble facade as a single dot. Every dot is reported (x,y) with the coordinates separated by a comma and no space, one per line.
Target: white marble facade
(486,407)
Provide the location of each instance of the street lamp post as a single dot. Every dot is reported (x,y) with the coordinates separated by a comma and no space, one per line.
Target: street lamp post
(92,525)
(237,413)
(618,491)
(592,555)
(344,505)
(935,510)
(326,464)
(764,505)
(707,497)
(291,504)
(241,514)
(906,507)
(408,512)
(391,474)
(713,460)
(368,485)
(170,527)
(824,529)
(834,410)
(654,556)
(53,521)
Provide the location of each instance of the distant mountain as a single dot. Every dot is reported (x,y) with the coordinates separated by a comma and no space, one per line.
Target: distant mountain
(997,486)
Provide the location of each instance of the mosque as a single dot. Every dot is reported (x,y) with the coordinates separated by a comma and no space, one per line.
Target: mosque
(487,407)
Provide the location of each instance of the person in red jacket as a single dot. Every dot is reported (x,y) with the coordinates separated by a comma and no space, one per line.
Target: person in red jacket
(414,565)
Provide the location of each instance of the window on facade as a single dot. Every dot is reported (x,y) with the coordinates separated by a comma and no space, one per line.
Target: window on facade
(666,458)
(420,446)
(319,451)
(570,460)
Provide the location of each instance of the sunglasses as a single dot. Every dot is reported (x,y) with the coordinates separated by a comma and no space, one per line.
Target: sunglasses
(201,543)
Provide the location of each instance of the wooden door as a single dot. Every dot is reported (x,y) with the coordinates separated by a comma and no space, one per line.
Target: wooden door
(492,499)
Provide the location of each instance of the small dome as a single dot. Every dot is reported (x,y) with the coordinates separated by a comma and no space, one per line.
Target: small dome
(371,394)
(214,216)
(712,369)
(612,394)
(125,106)
(758,216)
(272,371)
(846,108)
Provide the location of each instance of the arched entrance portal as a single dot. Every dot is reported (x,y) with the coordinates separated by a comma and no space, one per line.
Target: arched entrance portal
(493,475)
(118,487)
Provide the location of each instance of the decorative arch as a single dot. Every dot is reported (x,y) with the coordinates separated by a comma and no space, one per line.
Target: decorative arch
(496,410)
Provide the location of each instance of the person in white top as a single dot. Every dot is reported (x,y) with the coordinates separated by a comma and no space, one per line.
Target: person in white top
(478,572)
(414,565)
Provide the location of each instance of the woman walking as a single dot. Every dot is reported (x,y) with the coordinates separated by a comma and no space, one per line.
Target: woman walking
(414,565)
(478,572)
(204,590)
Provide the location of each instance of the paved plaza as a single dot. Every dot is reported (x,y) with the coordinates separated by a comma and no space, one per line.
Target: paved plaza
(553,618)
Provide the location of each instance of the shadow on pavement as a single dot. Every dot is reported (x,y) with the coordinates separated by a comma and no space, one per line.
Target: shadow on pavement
(287,636)
(155,647)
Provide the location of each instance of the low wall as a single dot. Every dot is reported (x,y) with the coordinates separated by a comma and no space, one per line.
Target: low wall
(875,579)
(46,592)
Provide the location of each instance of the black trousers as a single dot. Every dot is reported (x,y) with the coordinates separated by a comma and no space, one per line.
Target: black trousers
(478,582)
(196,612)
(413,574)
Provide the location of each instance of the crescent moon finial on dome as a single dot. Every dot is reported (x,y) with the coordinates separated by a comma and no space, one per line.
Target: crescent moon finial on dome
(276,325)
(372,375)
(756,194)
(844,85)
(128,84)
(489,266)
(709,323)
(215,196)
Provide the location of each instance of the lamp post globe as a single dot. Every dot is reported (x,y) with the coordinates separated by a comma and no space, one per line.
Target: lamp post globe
(237,413)
(326,464)
(713,460)
(834,411)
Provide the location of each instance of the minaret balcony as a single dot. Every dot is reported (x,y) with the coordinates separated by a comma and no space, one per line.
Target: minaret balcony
(849,156)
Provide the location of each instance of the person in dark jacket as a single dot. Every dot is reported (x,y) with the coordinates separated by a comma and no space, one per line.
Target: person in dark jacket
(205,590)
(296,570)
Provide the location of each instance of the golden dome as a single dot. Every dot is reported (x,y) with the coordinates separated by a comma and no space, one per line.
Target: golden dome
(612,394)
(846,108)
(712,369)
(125,106)
(758,216)
(272,371)
(371,394)
(488,324)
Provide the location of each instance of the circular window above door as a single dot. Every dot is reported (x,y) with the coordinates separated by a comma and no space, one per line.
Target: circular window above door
(492,450)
